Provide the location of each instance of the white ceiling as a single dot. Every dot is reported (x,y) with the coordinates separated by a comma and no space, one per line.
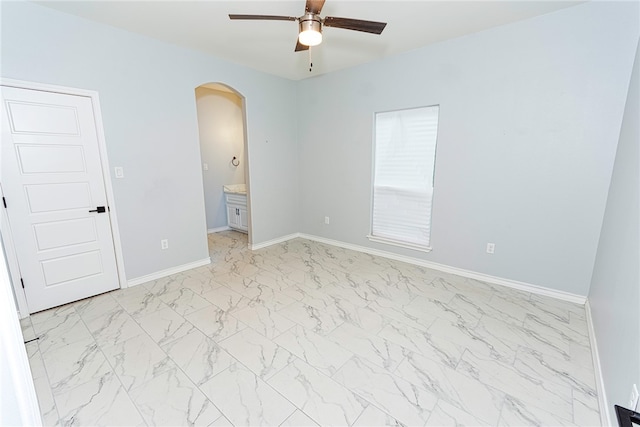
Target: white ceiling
(269,45)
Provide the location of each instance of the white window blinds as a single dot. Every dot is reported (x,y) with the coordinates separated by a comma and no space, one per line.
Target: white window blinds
(405,151)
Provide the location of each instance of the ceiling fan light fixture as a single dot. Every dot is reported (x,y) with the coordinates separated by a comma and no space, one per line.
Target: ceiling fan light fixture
(310,30)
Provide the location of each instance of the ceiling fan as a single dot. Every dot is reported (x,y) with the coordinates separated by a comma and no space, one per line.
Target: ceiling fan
(310,24)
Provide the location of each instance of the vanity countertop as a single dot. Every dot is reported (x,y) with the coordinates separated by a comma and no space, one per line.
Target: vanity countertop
(235,189)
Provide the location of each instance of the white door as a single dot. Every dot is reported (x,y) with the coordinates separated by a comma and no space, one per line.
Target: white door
(54,192)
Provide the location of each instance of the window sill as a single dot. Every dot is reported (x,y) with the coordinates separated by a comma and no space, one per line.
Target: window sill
(399,243)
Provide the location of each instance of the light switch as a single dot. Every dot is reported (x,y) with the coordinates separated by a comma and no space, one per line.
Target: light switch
(119,171)
(205,166)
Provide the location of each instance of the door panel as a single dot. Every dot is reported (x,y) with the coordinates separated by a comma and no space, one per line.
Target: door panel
(244,219)
(57,234)
(52,178)
(47,198)
(31,118)
(232,218)
(72,267)
(50,159)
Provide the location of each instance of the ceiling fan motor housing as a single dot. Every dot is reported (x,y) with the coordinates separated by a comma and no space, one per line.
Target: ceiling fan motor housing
(310,29)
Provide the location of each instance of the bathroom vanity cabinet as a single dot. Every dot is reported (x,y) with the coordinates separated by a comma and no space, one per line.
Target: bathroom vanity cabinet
(236,200)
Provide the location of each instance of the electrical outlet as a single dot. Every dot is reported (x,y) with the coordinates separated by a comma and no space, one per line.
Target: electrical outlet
(164,244)
(633,400)
(491,247)
(205,166)
(326,220)
(119,171)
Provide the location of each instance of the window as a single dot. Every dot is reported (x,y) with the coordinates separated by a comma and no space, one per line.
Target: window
(404,164)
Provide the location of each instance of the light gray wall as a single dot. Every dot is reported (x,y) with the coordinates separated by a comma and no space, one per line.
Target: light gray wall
(146,92)
(221,129)
(614,296)
(529,120)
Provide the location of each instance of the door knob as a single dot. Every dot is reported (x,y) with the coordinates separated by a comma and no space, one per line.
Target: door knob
(99,209)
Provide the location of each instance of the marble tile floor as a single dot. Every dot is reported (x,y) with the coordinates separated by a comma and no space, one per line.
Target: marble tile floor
(306,334)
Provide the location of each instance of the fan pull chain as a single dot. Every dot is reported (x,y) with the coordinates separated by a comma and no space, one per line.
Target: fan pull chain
(310,62)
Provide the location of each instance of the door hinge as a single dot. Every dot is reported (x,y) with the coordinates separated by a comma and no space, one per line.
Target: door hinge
(4,202)
(22,282)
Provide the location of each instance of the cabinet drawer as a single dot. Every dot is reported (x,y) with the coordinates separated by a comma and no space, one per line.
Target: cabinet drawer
(236,199)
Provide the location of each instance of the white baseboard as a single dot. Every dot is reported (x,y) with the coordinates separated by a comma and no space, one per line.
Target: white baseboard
(273,241)
(218,229)
(527,287)
(168,272)
(597,369)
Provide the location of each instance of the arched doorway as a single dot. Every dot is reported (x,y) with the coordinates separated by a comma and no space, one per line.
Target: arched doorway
(223,148)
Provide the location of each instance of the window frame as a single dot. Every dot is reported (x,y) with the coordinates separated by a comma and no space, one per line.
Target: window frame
(395,242)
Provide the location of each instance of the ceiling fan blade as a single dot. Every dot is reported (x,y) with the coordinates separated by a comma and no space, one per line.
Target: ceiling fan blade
(263,17)
(355,24)
(314,6)
(301,47)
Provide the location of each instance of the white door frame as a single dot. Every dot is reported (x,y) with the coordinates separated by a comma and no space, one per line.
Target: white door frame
(23,310)
(16,380)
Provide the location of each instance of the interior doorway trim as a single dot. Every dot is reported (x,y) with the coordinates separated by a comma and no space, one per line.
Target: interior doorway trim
(23,310)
